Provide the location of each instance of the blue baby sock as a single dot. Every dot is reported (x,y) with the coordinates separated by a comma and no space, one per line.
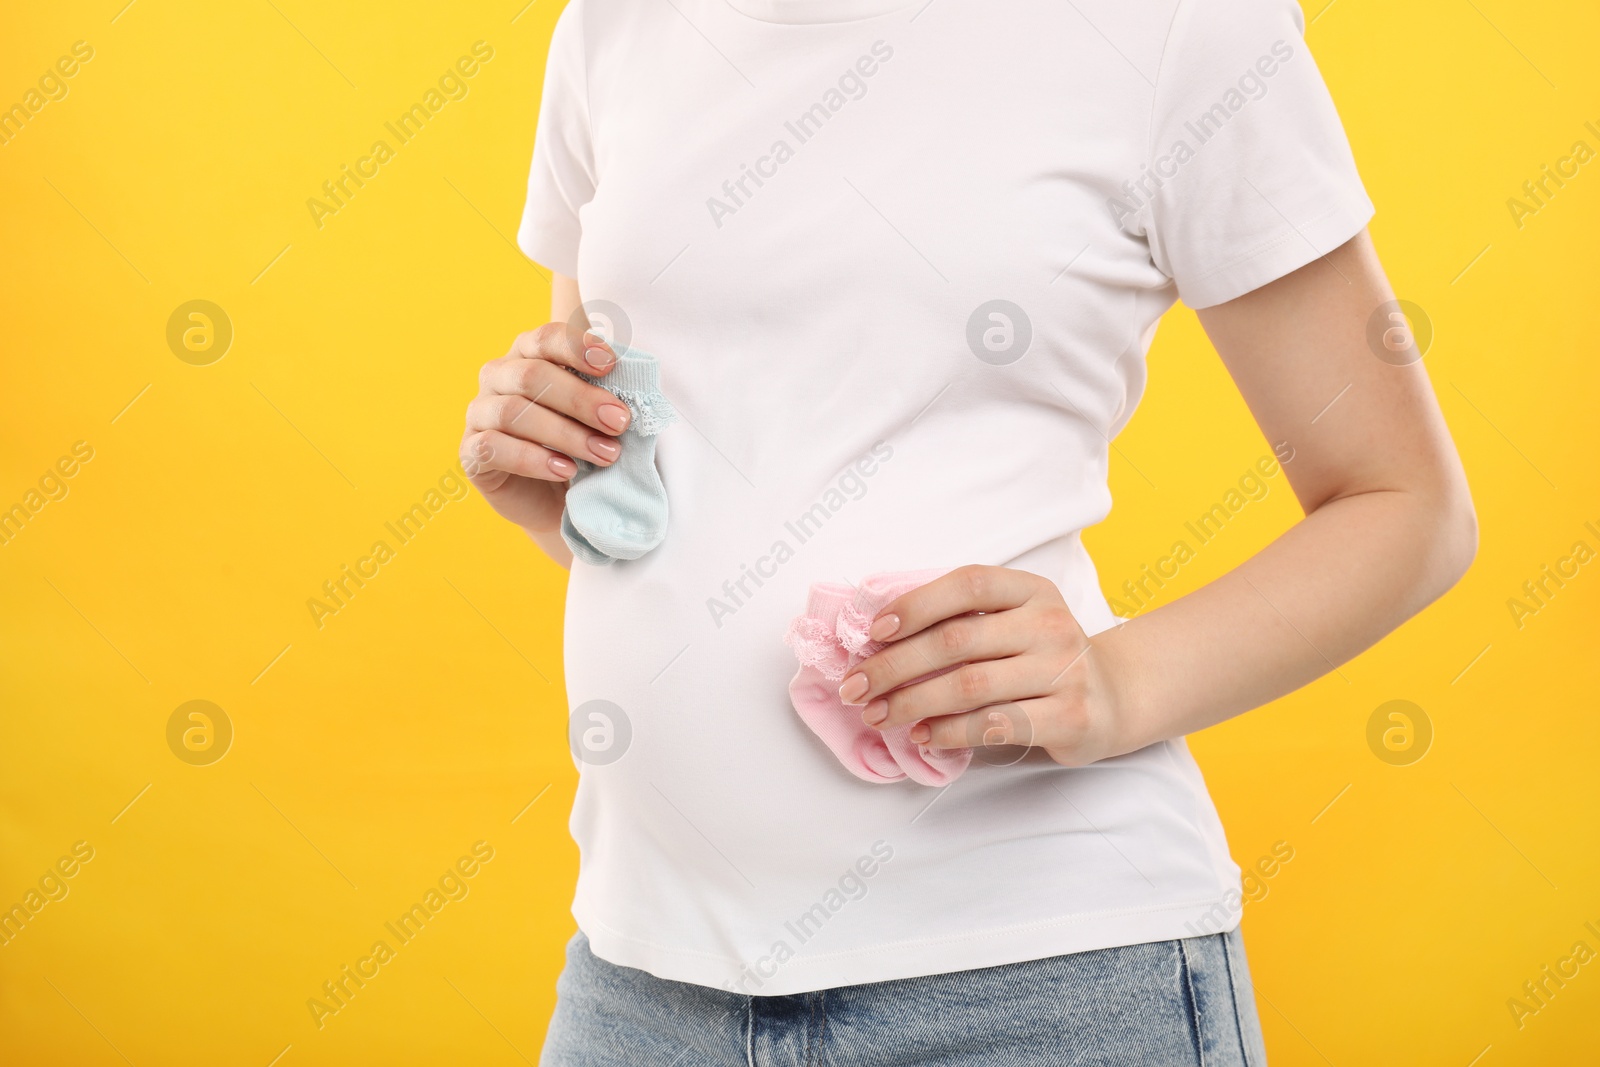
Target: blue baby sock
(620,511)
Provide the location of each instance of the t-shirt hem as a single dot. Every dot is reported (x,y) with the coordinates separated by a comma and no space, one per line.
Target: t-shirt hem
(1082,932)
(1284,254)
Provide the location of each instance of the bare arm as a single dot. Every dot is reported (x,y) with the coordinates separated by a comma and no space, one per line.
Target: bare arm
(1389,527)
(1389,523)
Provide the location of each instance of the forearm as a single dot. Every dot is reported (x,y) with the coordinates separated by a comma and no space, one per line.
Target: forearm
(550,542)
(1333,585)
(1389,527)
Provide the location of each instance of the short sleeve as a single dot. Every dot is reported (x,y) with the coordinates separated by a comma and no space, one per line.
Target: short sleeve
(1249,173)
(562,177)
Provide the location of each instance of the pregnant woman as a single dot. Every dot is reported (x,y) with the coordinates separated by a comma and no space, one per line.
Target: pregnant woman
(900,264)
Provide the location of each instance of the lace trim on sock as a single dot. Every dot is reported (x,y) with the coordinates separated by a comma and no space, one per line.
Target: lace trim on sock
(852,632)
(815,645)
(652,412)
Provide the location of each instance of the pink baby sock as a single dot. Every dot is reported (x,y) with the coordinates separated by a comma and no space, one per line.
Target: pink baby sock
(814,691)
(922,763)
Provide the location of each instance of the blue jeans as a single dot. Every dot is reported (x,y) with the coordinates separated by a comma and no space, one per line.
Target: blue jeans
(1163,1003)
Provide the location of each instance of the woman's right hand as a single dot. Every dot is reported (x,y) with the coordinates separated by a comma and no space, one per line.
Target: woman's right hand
(532,417)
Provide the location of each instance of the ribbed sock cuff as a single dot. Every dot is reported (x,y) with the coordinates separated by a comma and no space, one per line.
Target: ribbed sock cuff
(826,598)
(877,590)
(636,371)
(635,380)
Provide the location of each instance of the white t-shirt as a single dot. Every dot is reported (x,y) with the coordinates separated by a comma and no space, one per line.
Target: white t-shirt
(809,209)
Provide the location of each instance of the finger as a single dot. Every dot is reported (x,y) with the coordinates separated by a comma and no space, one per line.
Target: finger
(971,588)
(971,685)
(1011,723)
(517,416)
(963,639)
(564,344)
(486,451)
(1060,728)
(548,385)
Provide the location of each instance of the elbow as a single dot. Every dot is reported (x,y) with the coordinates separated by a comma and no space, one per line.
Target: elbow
(1453,544)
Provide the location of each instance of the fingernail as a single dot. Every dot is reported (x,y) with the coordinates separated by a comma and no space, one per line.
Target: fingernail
(604,446)
(562,465)
(884,628)
(854,688)
(614,416)
(876,712)
(920,734)
(598,358)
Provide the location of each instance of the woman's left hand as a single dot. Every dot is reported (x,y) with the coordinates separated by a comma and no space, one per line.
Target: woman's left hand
(1025,672)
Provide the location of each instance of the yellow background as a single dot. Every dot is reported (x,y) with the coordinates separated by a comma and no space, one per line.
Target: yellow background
(427,715)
